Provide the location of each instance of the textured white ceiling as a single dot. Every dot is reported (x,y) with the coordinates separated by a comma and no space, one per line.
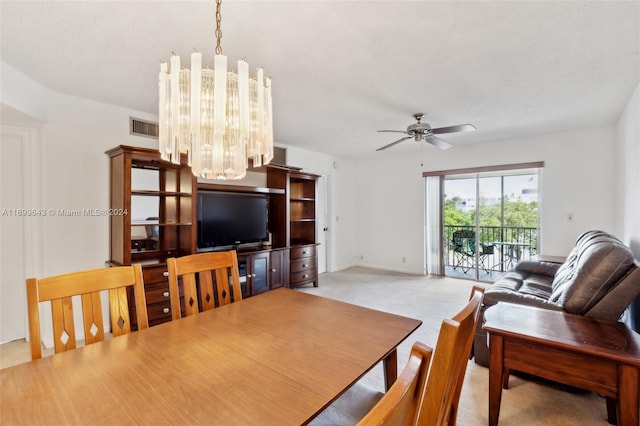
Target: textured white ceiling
(343,69)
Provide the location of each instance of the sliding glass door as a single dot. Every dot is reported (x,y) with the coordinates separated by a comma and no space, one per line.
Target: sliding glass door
(489,222)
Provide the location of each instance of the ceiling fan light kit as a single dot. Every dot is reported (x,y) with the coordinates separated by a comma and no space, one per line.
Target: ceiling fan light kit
(423,131)
(219,118)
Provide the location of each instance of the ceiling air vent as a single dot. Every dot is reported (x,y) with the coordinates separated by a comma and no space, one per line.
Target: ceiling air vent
(145,128)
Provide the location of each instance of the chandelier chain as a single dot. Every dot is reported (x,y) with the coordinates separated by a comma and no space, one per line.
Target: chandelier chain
(218,30)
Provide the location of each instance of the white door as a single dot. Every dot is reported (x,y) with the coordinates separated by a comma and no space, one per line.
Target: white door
(13,316)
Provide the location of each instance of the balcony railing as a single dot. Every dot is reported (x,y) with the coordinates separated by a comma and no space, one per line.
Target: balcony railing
(498,247)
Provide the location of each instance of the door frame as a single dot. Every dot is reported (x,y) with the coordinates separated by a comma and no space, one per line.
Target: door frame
(437,260)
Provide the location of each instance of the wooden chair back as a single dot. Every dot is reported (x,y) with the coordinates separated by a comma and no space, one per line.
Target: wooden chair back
(399,405)
(60,289)
(205,281)
(439,402)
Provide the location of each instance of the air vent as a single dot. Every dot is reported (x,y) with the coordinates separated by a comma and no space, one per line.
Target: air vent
(144,128)
(279,156)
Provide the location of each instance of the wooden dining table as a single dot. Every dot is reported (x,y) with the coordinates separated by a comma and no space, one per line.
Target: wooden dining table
(278,358)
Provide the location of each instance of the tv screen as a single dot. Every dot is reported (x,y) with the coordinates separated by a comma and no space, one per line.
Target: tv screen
(226,219)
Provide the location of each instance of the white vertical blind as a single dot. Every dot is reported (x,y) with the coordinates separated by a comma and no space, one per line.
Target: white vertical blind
(433,225)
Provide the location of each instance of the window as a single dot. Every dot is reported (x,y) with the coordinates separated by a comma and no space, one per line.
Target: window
(480,222)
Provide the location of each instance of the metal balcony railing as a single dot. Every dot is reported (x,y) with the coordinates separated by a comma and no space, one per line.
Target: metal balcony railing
(497,248)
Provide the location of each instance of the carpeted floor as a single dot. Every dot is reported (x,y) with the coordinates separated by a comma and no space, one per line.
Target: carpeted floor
(432,299)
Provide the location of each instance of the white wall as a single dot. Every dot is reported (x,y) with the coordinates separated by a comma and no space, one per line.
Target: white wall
(628,188)
(578,178)
(76,176)
(23,94)
(375,205)
(341,208)
(390,211)
(70,172)
(628,176)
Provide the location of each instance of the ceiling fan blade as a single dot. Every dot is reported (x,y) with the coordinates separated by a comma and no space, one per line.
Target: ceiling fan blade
(394,143)
(393,131)
(453,129)
(440,143)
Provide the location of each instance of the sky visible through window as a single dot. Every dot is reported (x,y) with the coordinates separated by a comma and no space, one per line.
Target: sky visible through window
(523,187)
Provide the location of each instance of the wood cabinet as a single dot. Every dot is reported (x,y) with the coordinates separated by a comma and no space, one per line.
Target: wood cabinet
(302,208)
(254,272)
(158,206)
(293,216)
(158,221)
(158,202)
(279,268)
(156,286)
(303,266)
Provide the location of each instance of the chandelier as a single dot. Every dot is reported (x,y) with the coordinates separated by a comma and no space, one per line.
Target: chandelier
(220,118)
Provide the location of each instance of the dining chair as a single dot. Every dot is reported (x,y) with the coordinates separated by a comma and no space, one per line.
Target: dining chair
(399,405)
(87,284)
(362,404)
(417,397)
(208,280)
(439,402)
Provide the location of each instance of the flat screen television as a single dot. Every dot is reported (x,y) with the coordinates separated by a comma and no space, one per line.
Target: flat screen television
(231,219)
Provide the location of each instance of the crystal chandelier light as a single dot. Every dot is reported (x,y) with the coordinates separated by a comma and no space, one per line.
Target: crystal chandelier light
(219,118)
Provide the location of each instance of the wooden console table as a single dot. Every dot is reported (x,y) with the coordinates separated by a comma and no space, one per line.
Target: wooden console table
(596,355)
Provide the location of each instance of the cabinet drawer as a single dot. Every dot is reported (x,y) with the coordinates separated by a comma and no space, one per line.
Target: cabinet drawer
(303,277)
(154,274)
(303,252)
(157,295)
(159,313)
(303,264)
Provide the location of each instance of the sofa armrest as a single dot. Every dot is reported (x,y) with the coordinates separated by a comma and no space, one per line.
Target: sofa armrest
(547,269)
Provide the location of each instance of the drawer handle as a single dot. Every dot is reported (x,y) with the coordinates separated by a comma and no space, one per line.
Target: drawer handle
(165,274)
(273,270)
(305,276)
(165,294)
(304,252)
(165,310)
(304,265)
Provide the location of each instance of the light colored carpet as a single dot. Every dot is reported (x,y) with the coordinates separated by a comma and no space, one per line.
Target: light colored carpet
(433,299)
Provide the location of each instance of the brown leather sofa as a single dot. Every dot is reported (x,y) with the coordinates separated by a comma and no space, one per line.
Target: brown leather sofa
(599,279)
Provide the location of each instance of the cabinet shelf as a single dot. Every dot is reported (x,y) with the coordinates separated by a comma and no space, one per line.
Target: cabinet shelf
(295,224)
(148,192)
(161,224)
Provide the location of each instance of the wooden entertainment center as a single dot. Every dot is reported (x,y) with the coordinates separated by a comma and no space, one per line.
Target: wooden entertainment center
(160,200)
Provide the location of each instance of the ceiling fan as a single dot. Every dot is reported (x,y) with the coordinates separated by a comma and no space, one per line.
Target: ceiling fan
(421,131)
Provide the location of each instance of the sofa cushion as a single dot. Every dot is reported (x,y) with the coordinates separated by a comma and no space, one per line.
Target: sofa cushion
(521,287)
(598,264)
